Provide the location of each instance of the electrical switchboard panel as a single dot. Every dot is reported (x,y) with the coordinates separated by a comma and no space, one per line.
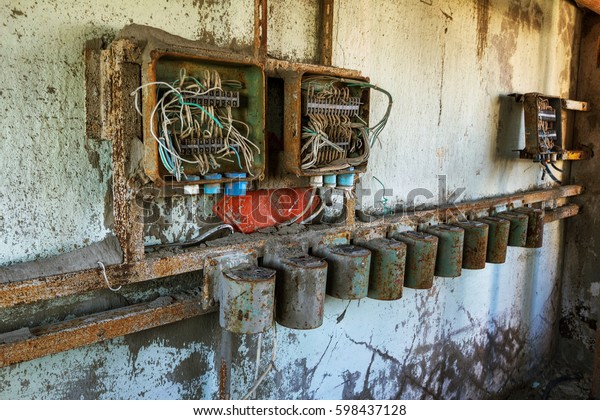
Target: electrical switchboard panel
(202,119)
(327,131)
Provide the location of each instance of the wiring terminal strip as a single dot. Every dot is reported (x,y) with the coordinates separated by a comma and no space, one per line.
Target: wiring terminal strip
(193,118)
(335,131)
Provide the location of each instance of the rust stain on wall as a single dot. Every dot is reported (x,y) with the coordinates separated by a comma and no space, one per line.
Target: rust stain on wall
(528,14)
(483,23)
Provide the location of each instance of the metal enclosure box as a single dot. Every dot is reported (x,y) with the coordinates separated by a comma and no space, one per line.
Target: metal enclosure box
(164,66)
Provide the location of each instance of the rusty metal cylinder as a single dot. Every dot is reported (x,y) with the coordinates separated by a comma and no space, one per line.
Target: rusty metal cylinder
(300,291)
(247,299)
(518,227)
(348,271)
(535,226)
(448,262)
(499,230)
(421,249)
(475,245)
(386,278)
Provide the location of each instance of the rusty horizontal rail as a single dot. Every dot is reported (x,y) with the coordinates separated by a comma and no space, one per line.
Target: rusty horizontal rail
(165,264)
(562,212)
(83,331)
(274,67)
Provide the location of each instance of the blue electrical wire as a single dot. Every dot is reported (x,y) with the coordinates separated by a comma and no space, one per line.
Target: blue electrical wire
(237,155)
(384,200)
(212,117)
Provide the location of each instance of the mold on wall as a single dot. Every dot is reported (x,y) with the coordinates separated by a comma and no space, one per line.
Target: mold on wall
(447,64)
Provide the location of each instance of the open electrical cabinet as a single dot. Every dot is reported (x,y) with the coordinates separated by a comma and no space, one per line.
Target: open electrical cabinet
(331,104)
(207,149)
(203,117)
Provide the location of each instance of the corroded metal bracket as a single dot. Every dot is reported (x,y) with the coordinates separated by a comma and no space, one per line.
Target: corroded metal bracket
(326,31)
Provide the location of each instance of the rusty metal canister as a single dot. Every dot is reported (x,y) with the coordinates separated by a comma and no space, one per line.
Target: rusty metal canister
(448,262)
(499,230)
(348,270)
(518,227)
(535,226)
(388,258)
(475,248)
(421,249)
(247,299)
(300,291)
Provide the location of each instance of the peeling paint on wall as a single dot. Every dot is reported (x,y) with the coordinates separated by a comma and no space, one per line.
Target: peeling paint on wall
(447,67)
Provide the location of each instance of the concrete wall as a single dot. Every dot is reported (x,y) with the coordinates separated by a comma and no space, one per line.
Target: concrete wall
(581,282)
(447,64)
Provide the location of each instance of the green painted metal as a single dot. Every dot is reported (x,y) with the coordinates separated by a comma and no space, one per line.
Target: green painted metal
(247,299)
(348,270)
(475,246)
(300,291)
(518,227)
(421,249)
(499,229)
(448,262)
(535,226)
(388,259)
(251,110)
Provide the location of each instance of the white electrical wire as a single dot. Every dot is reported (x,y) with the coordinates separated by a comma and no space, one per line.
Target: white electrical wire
(271,364)
(101,264)
(180,119)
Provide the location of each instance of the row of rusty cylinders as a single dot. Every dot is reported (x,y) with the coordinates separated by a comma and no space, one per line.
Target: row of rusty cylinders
(378,268)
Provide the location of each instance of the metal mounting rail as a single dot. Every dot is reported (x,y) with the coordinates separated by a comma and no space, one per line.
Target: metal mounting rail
(36,342)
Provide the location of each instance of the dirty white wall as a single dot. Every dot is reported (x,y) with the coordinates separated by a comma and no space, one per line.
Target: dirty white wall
(446,63)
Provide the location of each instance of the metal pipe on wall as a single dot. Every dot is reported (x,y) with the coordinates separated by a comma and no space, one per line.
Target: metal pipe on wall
(225,368)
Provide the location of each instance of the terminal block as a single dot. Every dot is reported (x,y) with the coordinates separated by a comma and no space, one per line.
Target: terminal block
(202,110)
(334,124)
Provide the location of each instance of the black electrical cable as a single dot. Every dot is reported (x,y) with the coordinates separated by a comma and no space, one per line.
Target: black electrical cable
(549,172)
(556,167)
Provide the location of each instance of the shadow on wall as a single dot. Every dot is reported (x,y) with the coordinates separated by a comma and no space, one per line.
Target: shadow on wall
(510,127)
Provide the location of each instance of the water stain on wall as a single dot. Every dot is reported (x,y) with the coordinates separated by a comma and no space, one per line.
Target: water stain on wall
(483,22)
